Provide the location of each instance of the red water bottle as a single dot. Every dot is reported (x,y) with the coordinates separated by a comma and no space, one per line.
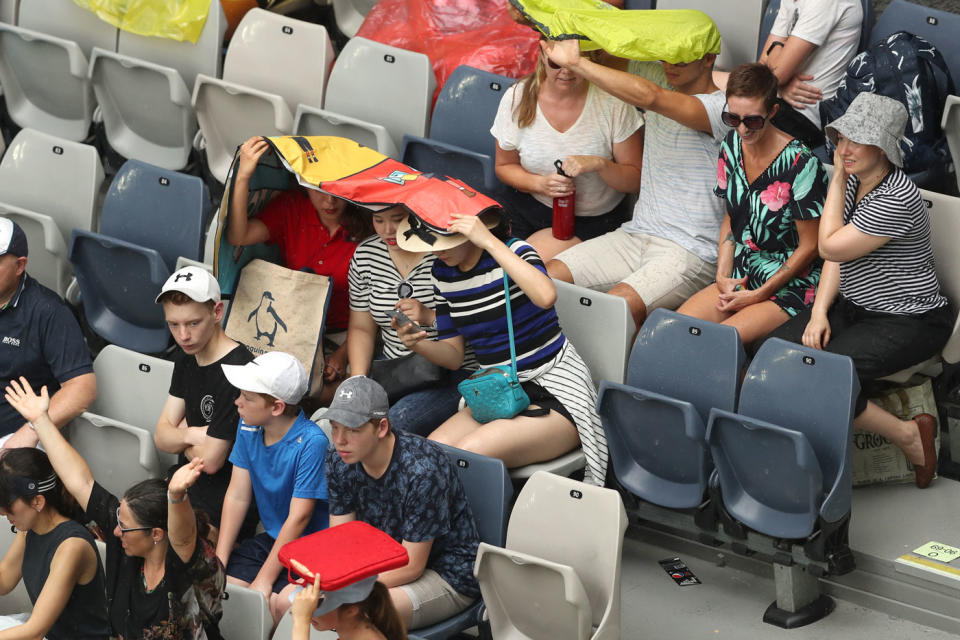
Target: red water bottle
(563,210)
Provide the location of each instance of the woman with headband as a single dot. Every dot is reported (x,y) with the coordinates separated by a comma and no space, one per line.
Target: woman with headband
(53,553)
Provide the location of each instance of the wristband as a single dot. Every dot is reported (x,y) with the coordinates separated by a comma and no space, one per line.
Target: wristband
(773,46)
(32,426)
(172,501)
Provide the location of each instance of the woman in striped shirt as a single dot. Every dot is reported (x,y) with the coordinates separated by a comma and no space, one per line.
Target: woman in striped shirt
(471,311)
(875,238)
(384,278)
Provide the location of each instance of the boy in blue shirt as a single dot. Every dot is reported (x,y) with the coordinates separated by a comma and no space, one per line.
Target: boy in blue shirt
(278,460)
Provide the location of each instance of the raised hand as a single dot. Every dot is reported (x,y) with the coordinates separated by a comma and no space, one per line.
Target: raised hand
(21,396)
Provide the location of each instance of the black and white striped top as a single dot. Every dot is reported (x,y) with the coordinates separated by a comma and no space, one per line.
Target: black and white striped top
(898,277)
(375,286)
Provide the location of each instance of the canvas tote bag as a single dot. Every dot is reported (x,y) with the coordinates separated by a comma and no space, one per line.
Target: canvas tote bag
(278,309)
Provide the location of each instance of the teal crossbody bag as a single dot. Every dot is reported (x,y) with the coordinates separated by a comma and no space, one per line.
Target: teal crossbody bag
(495,393)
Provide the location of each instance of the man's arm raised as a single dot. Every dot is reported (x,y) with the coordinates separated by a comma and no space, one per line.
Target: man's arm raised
(640,92)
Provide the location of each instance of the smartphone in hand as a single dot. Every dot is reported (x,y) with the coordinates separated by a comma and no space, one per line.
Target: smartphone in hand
(402,319)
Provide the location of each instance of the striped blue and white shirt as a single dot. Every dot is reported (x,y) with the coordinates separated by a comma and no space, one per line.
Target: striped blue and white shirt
(472,304)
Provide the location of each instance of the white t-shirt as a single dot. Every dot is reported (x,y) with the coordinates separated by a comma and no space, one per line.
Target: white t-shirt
(605,120)
(834,27)
(679,174)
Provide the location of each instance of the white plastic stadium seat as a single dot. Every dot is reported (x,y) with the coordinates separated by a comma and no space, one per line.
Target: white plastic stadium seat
(45,82)
(48,253)
(230,113)
(738,22)
(54,177)
(383,84)
(310,121)
(280,55)
(8,11)
(146,109)
(245,614)
(559,575)
(132,388)
(66,19)
(186,57)
(599,326)
(944,213)
(120,454)
(349,14)
(951,129)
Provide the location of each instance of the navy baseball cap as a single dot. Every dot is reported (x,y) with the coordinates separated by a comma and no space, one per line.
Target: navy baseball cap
(12,239)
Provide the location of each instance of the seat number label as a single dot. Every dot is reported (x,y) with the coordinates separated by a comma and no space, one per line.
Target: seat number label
(938,551)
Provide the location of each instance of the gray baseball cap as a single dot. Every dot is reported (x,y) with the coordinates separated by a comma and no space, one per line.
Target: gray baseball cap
(359,399)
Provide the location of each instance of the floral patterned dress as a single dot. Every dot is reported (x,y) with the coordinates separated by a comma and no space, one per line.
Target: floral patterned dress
(762,215)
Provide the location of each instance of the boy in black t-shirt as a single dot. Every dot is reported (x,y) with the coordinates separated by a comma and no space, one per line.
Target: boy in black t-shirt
(199,418)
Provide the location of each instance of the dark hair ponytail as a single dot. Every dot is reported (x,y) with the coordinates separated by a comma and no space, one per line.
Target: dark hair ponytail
(379,611)
(28,462)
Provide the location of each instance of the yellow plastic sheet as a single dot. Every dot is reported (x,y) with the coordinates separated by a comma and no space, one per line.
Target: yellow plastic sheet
(681,35)
(180,20)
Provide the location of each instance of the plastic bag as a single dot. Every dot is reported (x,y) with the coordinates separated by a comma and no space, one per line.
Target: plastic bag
(680,35)
(478,33)
(676,36)
(180,20)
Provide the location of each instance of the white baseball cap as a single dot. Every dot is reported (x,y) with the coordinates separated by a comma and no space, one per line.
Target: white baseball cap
(195,282)
(12,238)
(275,373)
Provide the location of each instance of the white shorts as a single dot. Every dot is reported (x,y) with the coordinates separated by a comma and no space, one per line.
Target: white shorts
(663,273)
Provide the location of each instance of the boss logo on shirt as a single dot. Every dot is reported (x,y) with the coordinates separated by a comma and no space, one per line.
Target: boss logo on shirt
(13,342)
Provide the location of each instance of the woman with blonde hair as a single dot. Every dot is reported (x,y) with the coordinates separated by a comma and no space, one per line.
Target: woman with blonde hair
(554,116)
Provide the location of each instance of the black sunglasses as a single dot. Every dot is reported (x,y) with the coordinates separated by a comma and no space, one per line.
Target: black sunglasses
(551,63)
(733,121)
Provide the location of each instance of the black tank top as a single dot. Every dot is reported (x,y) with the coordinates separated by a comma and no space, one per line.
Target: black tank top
(85,615)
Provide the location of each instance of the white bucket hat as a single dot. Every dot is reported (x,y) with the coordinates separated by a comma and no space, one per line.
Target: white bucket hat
(875,120)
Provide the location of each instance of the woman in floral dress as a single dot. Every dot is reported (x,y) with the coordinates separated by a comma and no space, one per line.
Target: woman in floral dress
(768,266)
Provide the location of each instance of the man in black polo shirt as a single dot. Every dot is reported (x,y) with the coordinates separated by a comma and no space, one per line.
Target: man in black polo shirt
(200,418)
(40,340)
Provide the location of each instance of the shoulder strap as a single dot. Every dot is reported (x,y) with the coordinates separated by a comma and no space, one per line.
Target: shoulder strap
(513,348)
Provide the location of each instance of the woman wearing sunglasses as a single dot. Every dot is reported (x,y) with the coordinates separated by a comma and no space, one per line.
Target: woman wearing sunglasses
(554,114)
(879,299)
(385,278)
(163,579)
(53,553)
(774,188)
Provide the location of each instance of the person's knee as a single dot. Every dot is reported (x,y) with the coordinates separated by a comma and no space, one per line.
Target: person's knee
(403,605)
(638,309)
(560,271)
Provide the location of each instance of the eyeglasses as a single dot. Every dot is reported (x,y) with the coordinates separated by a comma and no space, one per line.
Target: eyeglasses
(123,530)
(753,122)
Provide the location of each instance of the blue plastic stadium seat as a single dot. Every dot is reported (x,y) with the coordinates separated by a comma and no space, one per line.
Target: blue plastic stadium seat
(466,107)
(432,156)
(783,460)
(680,368)
(940,28)
(489,492)
(118,283)
(159,209)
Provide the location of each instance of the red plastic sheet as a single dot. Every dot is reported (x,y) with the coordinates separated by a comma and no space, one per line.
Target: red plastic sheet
(478,33)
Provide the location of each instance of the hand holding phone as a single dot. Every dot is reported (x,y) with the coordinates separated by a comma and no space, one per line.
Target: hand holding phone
(402,319)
